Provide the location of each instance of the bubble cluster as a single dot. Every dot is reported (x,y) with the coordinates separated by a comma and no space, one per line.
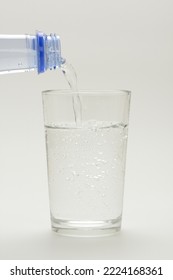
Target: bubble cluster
(86,170)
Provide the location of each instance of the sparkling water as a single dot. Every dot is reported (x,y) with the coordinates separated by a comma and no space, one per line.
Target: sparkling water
(86,171)
(71,78)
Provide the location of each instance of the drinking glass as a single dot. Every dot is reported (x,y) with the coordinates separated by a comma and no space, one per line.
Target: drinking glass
(86,160)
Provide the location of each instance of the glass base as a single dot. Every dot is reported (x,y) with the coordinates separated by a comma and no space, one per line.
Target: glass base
(86,228)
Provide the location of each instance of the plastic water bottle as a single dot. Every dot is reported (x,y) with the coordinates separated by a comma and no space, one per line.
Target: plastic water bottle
(20,53)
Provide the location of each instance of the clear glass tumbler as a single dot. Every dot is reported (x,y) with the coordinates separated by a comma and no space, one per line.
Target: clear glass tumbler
(86,162)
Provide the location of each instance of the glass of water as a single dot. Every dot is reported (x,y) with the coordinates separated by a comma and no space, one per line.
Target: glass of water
(86,159)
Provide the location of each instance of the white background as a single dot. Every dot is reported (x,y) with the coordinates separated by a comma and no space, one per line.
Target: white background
(112,44)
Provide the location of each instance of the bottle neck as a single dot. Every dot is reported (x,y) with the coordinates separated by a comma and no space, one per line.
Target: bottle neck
(48,52)
(20,53)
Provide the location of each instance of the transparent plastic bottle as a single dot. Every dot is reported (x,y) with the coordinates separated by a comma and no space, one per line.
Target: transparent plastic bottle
(20,53)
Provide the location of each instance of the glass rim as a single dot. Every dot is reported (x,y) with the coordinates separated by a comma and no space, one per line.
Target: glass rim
(91,92)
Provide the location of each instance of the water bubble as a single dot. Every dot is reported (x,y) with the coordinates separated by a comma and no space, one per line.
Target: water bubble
(99,176)
(101,160)
(75,173)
